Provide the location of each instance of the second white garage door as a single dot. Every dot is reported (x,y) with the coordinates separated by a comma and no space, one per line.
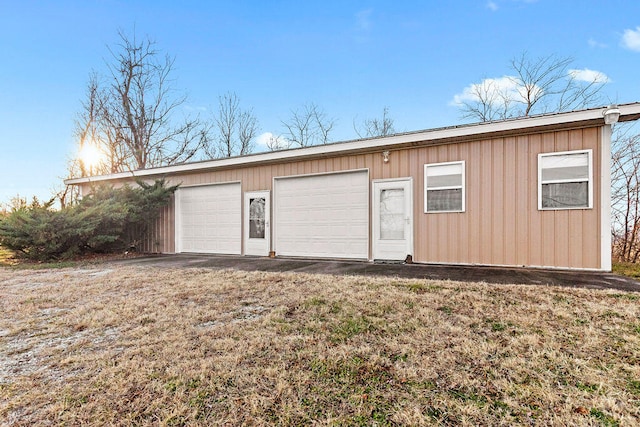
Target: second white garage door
(209,219)
(323,215)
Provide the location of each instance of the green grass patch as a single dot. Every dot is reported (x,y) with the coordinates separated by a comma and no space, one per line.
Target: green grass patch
(315,302)
(467,395)
(605,420)
(634,387)
(498,326)
(8,259)
(420,287)
(630,297)
(628,269)
(349,327)
(445,309)
(49,265)
(590,388)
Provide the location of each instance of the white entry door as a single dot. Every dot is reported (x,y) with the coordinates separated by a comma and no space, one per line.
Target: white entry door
(392,219)
(257,227)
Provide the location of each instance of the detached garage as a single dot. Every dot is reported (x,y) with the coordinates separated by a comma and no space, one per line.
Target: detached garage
(527,192)
(324,215)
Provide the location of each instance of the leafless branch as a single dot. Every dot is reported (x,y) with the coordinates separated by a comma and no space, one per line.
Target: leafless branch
(536,85)
(235,128)
(378,126)
(131,115)
(308,125)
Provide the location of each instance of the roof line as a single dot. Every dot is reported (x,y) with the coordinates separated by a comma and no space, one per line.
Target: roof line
(627,112)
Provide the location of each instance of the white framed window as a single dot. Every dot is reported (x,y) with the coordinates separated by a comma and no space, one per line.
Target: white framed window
(565,180)
(444,187)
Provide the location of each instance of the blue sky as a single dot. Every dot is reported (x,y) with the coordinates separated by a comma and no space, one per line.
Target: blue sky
(351,58)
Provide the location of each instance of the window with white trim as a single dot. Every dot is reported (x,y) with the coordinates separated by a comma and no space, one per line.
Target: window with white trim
(444,187)
(565,180)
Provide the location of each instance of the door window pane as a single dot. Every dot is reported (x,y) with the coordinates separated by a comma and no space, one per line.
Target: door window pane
(256,218)
(392,215)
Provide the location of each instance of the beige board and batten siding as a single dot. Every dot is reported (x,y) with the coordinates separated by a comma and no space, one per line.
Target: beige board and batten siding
(501,224)
(161,236)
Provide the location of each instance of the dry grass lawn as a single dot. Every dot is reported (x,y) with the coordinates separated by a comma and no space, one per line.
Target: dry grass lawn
(113,345)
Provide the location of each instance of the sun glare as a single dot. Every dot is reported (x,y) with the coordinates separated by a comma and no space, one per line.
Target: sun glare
(90,156)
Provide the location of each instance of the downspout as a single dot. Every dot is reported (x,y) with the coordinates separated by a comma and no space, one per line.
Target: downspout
(611,116)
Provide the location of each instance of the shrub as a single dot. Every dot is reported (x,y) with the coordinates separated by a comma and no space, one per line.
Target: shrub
(107,220)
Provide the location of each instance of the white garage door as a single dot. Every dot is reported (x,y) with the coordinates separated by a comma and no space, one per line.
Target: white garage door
(209,219)
(323,215)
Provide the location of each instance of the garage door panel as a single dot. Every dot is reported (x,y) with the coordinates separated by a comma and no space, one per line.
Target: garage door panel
(323,215)
(210,219)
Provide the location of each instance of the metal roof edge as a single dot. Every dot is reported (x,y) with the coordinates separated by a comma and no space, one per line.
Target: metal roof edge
(627,112)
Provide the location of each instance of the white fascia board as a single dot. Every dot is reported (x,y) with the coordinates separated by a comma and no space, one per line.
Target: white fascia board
(374,143)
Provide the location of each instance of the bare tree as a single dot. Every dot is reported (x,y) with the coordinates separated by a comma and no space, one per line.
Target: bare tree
(537,85)
(488,100)
(378,126)
(308,125)
(95,133)
(225,123)
(87,122)
(68,195)
(625,193)
(130,115)
(247,131)
(277,142)
(235,128)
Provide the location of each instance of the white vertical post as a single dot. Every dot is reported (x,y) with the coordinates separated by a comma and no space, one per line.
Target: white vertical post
(605,199)
(178,224)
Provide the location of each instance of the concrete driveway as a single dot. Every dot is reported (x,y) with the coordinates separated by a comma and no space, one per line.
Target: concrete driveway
(527,276)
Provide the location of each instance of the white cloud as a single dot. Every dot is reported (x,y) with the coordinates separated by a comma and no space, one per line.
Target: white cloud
(631,39)
(589,76)
(491,91)
(492,6)
(267,141)
(594,43)
(510,89)
(263,139)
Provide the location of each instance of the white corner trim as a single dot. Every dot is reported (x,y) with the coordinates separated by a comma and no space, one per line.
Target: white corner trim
(177,222)
(605,199)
